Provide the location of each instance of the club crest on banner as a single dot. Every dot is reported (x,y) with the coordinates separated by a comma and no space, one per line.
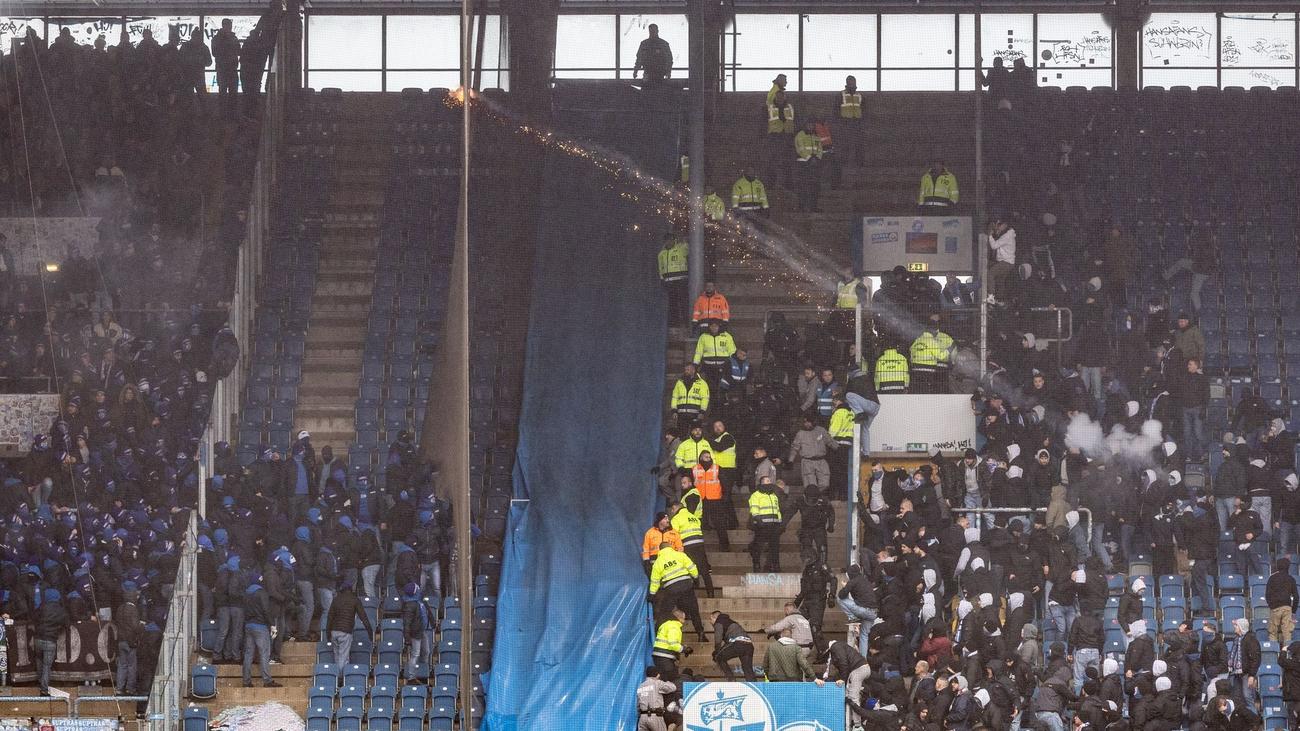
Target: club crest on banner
(729,707)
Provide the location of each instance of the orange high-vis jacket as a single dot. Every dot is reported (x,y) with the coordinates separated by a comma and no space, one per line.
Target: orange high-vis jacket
(653,537)
(712,308)
(707,482)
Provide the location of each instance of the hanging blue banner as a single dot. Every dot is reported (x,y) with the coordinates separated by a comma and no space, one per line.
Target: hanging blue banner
(762,707)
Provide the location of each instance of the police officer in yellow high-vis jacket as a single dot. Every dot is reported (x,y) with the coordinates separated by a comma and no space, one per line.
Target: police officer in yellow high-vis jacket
(690,396)
(765,521)
(688,520)
(712,350)
(892,375)
(938,188)
(850,121)
(931,354)
(841,430)
(748,193)
(688,452)
(668,647)
(780,138)
(672,585)
(674,268)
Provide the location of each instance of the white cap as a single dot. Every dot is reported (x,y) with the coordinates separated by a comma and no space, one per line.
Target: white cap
(1138,585)
(1175,477)
(986,599)
(1132,408)
(1169,448)
(1109,666)
(1015,600)
(1292,482)
(964,607)
(304,434)
(1013,451)
(1159,667)
(1163,683)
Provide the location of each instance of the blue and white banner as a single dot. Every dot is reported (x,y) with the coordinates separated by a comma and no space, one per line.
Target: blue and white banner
(762,707)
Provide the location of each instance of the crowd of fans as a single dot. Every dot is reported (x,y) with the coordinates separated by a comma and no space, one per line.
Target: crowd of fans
(1097,444)
(96,511)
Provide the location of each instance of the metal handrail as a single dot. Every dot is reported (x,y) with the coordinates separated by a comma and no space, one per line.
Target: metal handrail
(171,679)
(75,703)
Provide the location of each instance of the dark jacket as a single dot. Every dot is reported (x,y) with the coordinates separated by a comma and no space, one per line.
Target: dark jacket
(127,624)
(1130,610)
(1290,662)
(1140,654)
(343,612)
(52,621)
(843,660)
(1230,480)
(1281,592)
(1087,632)
(257,606)
(1249,654)
(417,617)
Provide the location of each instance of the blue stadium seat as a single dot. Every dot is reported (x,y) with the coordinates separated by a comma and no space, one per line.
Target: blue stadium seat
(319,718)
(1231,608)
(348,718)
(195,719)
(203,681)
(325,673)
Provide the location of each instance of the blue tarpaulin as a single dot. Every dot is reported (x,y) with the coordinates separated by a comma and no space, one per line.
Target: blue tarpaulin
(572,638)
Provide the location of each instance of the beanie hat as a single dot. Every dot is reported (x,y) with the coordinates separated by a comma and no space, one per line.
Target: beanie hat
(1138,585)
(1013,452)
(1094,284)
(986,599)
(1109,666)
(1159,667)
(1163,683)
(964,607)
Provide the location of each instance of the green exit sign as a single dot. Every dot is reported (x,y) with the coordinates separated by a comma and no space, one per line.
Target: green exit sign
(918,446)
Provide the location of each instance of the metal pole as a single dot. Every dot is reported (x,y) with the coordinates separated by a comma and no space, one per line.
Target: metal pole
(461,481)
(855,469)
(981,256)
(695,260)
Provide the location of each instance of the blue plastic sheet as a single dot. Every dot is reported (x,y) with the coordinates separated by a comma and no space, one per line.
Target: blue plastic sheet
(573,633)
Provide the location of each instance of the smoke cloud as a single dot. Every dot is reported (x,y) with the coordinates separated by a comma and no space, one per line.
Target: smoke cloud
(1086,435)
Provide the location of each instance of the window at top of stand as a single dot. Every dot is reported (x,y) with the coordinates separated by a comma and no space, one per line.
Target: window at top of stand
(1180,40)
(344,42)
(15,28)
(585,42)
(635,28)
(161,27)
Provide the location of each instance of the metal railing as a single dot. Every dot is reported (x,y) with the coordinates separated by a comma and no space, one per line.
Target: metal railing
(171,679)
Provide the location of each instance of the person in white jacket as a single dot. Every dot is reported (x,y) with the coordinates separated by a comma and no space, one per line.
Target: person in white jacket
(1001,239)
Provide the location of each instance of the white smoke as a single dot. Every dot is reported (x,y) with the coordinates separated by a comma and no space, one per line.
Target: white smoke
(1086,435)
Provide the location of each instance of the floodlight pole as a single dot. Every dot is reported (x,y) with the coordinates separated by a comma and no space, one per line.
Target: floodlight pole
(981,257)
(461,477)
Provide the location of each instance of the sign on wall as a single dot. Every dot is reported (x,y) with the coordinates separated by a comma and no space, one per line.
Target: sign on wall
(24,415)
(938,244)
(918,423)
(762,707)
(83,654)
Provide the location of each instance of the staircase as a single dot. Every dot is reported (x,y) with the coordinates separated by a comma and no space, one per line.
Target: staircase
(295,674)
(758,600)
(331,368)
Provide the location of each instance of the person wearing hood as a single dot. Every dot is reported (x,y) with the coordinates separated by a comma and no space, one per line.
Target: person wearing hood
(1141,650)
(1229,483)
(1243,661)
(343,613)
(1054,695)
(1283,602)
(231,583)
(1290,663)
(51,622)
(1130,605)
(129,628)
(814,592)
(848,668)
(419,622)
(1278,444)
(259,617)
(1087,638)
(1286,504)
(1200,534)
(282,592)
(304,554)
(732,642)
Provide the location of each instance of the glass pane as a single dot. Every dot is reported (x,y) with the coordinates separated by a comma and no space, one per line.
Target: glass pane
(839,41)
(672,28)
(818,80)
(923,80)
(1259,77)
(1075,77)
(346,80)
(901,43)
(966,40)
(492,47)
(1258,39)
(1179,77)
(1076,40)
(12,28)
(753,80)
(242,25)
(344,42)
(1008,37)
(768,41)
(398,80)
(85,30)
(585,42)
(161,28)
(1180,39)
(423,42)
(605,73)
